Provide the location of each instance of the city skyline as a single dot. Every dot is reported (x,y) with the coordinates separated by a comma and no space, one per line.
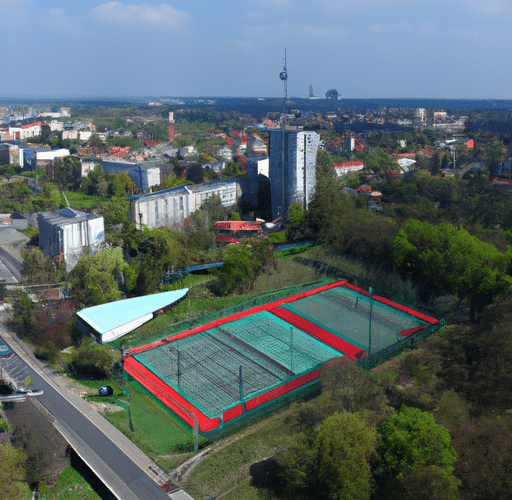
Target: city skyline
(364,48)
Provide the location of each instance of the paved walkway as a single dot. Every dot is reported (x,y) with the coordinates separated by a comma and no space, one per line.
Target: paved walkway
(64,386)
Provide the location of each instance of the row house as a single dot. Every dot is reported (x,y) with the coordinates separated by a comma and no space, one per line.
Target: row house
(25,131)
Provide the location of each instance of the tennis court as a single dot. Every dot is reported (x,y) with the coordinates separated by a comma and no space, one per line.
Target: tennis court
(219,371)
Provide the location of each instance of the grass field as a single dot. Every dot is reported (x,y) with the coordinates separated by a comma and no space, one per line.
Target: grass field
(81,201)
(226,468)
(155,431)
(69,486)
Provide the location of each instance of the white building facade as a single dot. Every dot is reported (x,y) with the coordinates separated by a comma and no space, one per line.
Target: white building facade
(292,168)
(170,207)
(67,232)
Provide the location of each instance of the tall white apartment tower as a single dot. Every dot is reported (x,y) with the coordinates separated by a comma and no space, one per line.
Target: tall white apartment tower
(292,155)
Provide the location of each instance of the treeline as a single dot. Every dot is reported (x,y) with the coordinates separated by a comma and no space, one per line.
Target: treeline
(434,424)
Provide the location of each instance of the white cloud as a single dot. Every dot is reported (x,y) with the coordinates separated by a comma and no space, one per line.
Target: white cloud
(58,20)
(143,16)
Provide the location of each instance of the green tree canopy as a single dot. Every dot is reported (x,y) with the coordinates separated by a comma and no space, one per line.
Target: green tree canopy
(199,229)
(66,172)
(90,360)
(96,279)
(120,184)
(22,309)
(450,260)
(344,445)
(213,206)
(411,439)
(37,268)
(159,251)
(379,161)
(242,263)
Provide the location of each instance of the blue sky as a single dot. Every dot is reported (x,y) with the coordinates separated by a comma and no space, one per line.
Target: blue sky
(363,48)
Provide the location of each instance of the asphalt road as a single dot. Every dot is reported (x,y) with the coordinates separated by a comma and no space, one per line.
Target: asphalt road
(13,268)
(135,479)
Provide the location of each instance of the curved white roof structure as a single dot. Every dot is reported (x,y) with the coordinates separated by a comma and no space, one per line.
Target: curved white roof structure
(110,321)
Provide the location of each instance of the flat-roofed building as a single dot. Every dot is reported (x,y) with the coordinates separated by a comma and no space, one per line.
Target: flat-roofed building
(292,168)
(170,207)
(66,233)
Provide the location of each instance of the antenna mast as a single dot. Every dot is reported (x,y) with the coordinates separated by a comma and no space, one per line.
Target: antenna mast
(284,76)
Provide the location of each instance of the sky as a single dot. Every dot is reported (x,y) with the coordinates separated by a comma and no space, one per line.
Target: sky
(187,48)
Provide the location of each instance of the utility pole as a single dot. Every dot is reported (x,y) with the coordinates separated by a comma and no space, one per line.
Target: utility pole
(370,325)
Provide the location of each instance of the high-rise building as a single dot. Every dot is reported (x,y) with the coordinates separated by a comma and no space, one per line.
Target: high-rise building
(292,168)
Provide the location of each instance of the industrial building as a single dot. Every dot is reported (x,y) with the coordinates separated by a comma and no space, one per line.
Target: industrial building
(170,207)
(66,233)
(292,169)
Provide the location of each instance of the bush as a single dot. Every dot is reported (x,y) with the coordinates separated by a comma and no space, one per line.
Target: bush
(275,238)
(47,352)
(93,361)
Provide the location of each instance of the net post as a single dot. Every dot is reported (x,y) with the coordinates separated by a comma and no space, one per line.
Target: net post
(241,386)
(370,325)
(196,434)
(291,349)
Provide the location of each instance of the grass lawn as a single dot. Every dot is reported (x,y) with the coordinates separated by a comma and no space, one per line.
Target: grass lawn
(155,431)
(81,201)
(227,466)
(200,302)
(70,486)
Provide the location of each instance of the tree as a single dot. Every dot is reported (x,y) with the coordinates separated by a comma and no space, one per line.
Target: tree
(97,278)
(115,210)
(199,229)
(493,154)
(379,162)
(485,465)
(195,174)
(12,472)
(344,446)
(95,182)
(34,265)
(66,172)
(297,218)
(159,251)
(238,269)
(51,196)
(450,260)
(410,440)
(90,360)
(120,185)
(213,206)
(22,309)
(297,465)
